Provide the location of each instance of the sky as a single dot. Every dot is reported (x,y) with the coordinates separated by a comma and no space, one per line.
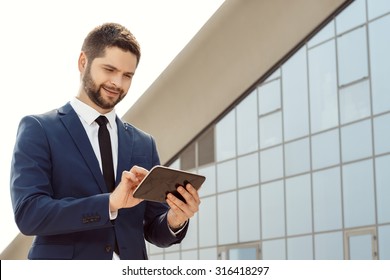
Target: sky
(40,45)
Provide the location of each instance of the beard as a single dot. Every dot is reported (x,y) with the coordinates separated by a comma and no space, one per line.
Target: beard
(94,92)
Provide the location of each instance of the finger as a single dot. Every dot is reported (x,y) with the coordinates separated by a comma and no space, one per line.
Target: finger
(193,192)
(176,203)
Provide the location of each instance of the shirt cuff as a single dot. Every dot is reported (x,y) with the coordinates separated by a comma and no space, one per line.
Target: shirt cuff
(177,231)
(113,215)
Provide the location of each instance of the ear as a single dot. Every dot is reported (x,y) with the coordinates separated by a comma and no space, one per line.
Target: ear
(82,63)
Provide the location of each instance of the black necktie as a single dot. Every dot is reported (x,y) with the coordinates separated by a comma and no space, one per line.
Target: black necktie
(106,153)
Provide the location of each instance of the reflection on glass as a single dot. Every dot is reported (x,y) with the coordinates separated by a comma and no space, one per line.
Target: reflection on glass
(248,170)
(227,218)
(380,63)
(209,186)
(300,248)
(208,222)
(272,210)
(247,125)
(323,87)
(382,134)
(295,96)
(249,214)
(358,194)
(270,130)
(382,188)
(327,200)
(356,141)
(297,157)
(355,102)
(271,164)
(325,149)
(377,8)
(360,247)
(329,246)
(352,56)
(274,249)
(384,242)
(298,205)
(325,34)
(243,254)
(225,137)
(354,16)
(226,176)
(269,97)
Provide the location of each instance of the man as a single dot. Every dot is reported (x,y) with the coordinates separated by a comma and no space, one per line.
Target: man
(58,190)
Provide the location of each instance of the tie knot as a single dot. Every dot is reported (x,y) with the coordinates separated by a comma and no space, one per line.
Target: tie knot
(101,120)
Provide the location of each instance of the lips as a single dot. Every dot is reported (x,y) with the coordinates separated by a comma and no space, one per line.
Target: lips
(111,91)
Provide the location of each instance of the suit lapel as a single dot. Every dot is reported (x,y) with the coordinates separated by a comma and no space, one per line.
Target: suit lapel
(72,123)
(125,147)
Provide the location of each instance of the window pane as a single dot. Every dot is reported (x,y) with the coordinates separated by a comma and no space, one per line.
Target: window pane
(208,254)
(274,249)
(382,134)
(355,102)
(208,222)
(297,157)
(325,149)
(248,170)
(353,16)
(358,194)
(360,247)
(383,188)
(189,255)
(191,240)
(352,56)
(271,164)
(325,34)
(270,130)
(272,210)
(269,97)
(295,96)
(380,63)
(247,125)
(300,248)
(329,246)
(298,203)
(206,148)
(227,218)
(356,141)
(225,134)
(209,186)
(249,214)
(377,8)
(243,254)
(384,242)
(323,87)
(227,176)
(327,200)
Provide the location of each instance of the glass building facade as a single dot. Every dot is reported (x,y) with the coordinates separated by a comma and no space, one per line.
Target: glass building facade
(300,167)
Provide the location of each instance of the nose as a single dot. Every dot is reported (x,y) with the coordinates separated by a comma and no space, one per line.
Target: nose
(116,80)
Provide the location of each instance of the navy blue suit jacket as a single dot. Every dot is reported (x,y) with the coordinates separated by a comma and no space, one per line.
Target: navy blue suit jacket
(59,195)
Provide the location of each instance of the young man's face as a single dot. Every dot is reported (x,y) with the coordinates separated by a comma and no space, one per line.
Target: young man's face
(107,79)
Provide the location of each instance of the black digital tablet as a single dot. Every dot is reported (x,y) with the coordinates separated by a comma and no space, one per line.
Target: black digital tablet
(162,180)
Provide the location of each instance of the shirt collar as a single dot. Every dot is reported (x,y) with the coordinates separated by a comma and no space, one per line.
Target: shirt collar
(89,114)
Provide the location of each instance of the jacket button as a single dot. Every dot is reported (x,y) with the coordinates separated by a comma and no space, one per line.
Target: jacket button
(108,248)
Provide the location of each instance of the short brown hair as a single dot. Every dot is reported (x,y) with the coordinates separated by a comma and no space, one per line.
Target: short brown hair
(110,35)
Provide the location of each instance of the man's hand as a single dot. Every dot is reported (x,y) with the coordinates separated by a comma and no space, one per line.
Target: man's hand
(122,196)
(181,211)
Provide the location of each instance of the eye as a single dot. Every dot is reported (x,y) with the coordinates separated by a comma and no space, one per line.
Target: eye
(108,69)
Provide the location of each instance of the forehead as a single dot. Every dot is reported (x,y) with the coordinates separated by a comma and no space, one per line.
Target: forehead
(124,61)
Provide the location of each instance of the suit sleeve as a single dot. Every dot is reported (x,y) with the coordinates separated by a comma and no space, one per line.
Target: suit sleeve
(36,210)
